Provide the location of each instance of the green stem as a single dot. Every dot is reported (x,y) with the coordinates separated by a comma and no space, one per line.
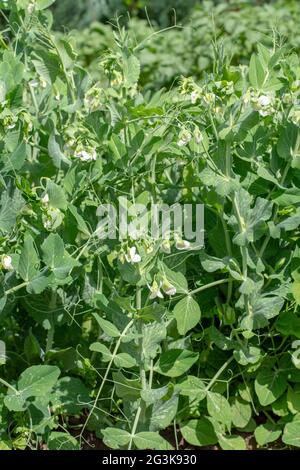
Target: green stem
(51,331)
(208,286)
(228,162)
(141,407)
(16,288)
(6,384)
(217,375)
(106,374)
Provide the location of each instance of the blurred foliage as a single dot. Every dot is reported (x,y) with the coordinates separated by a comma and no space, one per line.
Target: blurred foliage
(83,12)
(228,29)
(87,11)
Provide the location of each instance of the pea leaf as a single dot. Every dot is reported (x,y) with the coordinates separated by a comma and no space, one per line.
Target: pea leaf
(269,385)
(36,381)
(219,408)
(199,432)
(151,440)
(115,437)
(267,432)
(109,328)
(291,432)
(187,313)
(62,441)
(256,72)
(175,362)
(29,260)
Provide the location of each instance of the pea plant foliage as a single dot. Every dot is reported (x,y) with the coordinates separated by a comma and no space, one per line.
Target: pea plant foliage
(129,337)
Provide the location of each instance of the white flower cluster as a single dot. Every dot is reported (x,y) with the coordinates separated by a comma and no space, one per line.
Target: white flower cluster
(132,256)
(263,103)
(184,138)
(156,289)
(52,217)
(86,156)
(6,262)
(31,7)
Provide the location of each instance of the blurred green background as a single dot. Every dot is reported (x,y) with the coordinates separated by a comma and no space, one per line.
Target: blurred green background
(80,13)
(205,33)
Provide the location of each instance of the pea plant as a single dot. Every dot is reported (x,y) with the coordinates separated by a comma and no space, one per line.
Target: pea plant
(132,337)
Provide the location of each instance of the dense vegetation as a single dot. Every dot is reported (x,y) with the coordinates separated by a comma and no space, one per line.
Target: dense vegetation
(128,338)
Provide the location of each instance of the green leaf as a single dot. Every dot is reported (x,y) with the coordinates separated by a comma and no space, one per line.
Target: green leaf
(11,70)
(199,432)
(29,260)
(124,360)
(296,291)
(151,440)
(131,70)
(163,413)
(16,160)
(262,310)
(287,141)
(187,314)
(129,389)
(9,208)
(175,362)
(47,65)
(115,437)
(56,153)
(56,258)
(81,224)
(256,72)
(101,348)
(62,441)
(291,432)
(192,387)
(241,412)
(269,385)
(117,147)
(70,395)
(231,442)
(288,324)
(177,279)
(153,334)
(267,432)
(219,408)
(57,198)
(36,381)
(293,399)
(108,328)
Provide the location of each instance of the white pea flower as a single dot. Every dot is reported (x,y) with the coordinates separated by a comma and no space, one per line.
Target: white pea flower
(182,244)
(263,104)
(168,288)
(52,218)
(155,290)
(45,199)
(264,100)
(85,156)
(184,138)
(7,262)
(166,246)
(209,98)
(198,136)
(34,83)
(132,256)
(194,96)
(31,7)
